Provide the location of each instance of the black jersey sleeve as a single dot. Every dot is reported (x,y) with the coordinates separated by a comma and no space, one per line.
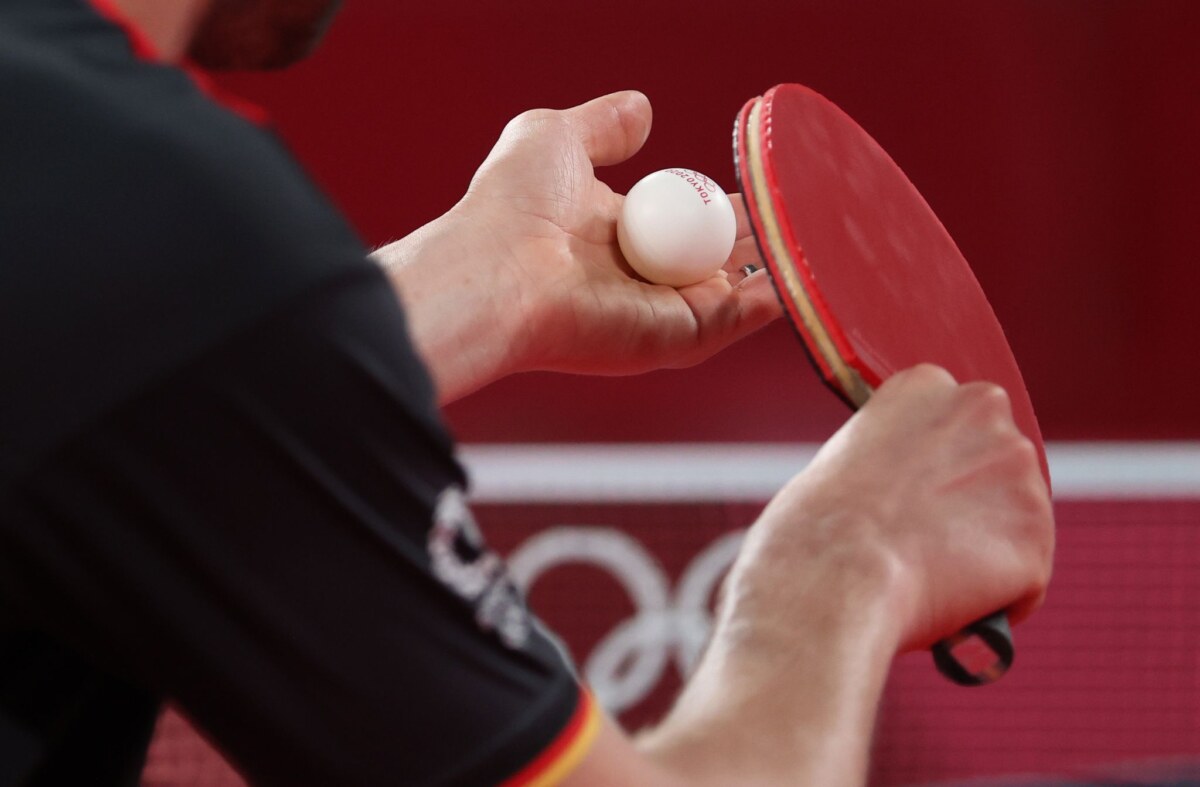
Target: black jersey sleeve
(276,536)
(223,476)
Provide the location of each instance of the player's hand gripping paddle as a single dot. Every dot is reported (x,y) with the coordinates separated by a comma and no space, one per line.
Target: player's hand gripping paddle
(872,282)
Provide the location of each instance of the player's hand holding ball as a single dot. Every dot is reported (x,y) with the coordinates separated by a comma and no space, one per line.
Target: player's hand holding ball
(526,273)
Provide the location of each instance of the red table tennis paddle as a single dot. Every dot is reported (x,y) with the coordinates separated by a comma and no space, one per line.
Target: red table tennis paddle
(872,282)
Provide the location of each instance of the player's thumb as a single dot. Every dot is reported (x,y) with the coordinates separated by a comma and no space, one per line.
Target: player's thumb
(613,127)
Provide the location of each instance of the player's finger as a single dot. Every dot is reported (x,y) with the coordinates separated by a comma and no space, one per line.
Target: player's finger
(745,258)
(1023,609)
(923,388)
(739,213)
(760,304)
(745,253)
(613,127)
(924,378)
(723,316)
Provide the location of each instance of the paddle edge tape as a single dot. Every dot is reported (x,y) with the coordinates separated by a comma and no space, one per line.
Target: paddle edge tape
(848,354)
(797,291)
(756,225)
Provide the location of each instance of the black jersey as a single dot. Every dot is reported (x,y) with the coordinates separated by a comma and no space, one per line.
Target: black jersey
(223,477)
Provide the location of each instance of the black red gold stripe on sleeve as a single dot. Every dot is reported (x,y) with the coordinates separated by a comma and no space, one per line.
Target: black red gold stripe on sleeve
(566,751)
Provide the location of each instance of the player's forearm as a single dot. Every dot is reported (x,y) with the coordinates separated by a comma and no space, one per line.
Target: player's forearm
(464,323)
(771,706)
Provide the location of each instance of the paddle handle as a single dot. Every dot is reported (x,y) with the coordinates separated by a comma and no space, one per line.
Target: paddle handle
(979,654)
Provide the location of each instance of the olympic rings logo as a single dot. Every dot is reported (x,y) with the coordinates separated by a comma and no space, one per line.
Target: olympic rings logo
(630,660)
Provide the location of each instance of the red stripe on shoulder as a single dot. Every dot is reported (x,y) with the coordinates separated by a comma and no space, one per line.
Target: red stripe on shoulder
(142,46)
(145,49)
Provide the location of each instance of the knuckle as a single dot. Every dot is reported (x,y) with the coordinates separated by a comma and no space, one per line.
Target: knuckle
(1017,449)
(534,116)
(988,398)
(931,374)
(530,121)
(1039,582)
(1046,568)
(1024,452)
(923,376)
(630,123)
(1038,532)
(987,409)
(1023,465)
(1036,596)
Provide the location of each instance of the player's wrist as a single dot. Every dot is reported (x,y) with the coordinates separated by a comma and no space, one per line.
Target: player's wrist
(499,265)
(530,284)
(786,677)
(465,315)
(850,590)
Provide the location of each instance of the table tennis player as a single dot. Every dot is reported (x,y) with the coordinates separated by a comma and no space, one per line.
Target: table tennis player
(224,479)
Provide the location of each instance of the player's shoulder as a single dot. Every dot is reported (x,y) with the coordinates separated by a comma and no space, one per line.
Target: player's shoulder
(93,131)
(140,220)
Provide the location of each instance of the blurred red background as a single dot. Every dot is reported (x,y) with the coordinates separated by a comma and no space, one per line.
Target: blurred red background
(1057,141)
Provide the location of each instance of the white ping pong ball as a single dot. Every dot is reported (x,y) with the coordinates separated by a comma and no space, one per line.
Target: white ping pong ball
(676,227)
